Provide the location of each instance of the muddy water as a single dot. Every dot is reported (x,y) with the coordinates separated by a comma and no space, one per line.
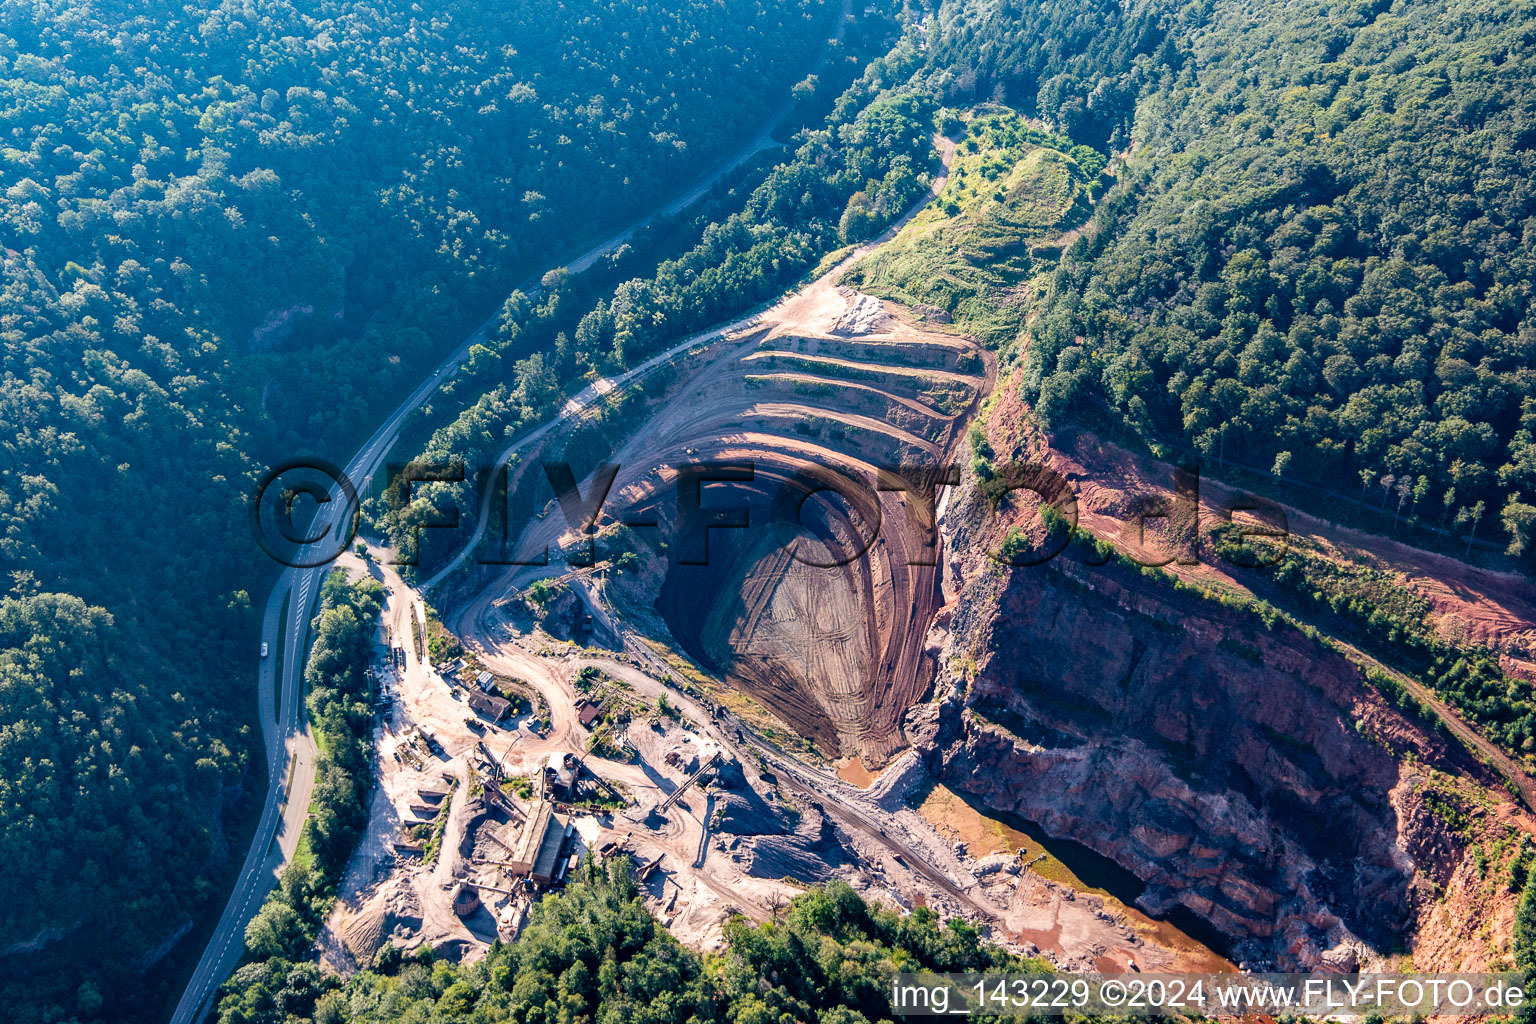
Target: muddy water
(853,771)
(987,832)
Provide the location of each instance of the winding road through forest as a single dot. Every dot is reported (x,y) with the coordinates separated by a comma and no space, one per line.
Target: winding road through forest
(288,743)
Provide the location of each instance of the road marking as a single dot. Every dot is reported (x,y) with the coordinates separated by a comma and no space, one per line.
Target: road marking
(386,436)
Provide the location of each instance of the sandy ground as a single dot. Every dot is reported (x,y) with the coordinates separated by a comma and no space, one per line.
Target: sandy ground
(423,700)
(900,857)
(828,337)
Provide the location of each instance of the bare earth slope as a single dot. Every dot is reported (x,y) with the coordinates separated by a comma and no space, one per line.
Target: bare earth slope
(1244,771)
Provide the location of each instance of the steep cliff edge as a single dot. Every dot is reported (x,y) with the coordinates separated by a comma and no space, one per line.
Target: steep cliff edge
(1244,771)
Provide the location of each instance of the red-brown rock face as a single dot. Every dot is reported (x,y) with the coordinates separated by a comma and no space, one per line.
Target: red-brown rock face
(1243,772)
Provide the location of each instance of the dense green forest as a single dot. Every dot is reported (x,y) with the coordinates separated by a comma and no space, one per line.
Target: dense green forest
(339,714)
(1314,266)
(1078,65)
(230,233)
(594,953)
(1319,261)
(1316,262)
(284,930)
(846,181)
(90,773)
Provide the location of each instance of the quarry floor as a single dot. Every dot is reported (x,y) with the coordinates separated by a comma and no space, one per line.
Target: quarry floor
(900,843)
(902,848)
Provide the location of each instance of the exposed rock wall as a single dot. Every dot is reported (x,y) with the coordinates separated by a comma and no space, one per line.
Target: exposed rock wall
(1244,772)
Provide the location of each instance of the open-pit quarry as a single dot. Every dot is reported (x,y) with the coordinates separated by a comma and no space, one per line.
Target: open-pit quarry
(779,503)
(820,605)
(770,629)
(798,647)
(754,560)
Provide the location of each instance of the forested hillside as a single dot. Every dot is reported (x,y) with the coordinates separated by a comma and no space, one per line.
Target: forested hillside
(846,181)
(230,233)
(1320,260)
(595,953)
(233,232)
(1079,65)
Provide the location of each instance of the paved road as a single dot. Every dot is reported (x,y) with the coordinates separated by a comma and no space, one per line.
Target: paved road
(600,390)
(288,744)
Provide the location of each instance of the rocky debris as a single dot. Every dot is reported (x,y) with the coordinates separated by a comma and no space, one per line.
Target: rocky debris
(566,617)
(899,779)
(811,853)
(921,726)
(454,950)
(1433,847)
(994,863)
(474,812)
(741,811)
(1341,959)
(162,948)
(865,315)
(482,844)
(40,939)
(392,915)
(933,314)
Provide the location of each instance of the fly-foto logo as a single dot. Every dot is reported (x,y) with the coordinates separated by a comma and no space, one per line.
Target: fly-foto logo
(305,512)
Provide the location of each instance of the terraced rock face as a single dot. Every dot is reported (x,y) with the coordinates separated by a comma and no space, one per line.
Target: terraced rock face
(820,604)
(1242,771)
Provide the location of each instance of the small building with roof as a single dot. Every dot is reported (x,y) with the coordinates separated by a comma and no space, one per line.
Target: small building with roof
(487,706)
(540,846)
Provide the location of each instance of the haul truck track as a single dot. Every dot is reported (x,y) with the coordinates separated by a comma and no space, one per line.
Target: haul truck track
(832,641)
(284,736)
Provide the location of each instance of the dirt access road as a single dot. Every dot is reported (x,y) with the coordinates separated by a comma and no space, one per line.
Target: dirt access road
(1485,606)
(809,308)
(289,747)
(486,634)
(836,652)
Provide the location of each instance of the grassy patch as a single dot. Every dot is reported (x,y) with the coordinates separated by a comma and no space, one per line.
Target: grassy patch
(442,646)
(304,853)
(435,842)
(519,784)
(1013,194)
